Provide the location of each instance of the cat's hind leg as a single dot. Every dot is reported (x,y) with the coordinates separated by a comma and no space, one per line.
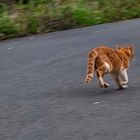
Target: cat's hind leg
(101,71)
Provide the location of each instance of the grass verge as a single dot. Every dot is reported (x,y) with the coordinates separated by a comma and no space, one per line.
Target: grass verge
(39,16)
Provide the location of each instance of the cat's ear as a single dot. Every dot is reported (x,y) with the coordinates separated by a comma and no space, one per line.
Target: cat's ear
(132,50)
(132,47)
(117,47)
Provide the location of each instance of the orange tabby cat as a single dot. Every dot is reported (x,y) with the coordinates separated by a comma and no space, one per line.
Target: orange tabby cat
(107,60)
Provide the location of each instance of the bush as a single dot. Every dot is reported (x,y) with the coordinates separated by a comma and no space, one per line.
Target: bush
(8,28)
(40,16)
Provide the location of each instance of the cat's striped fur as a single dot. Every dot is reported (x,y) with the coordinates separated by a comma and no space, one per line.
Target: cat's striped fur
(105,60)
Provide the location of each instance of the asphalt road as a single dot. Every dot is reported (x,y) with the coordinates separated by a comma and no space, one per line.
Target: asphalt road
(42,90)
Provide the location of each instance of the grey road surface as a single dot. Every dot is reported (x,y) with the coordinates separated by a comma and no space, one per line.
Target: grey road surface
(42,90)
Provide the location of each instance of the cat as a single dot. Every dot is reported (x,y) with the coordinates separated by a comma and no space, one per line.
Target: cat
(106,60)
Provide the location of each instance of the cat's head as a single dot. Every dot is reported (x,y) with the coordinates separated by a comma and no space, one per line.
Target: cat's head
(129,50)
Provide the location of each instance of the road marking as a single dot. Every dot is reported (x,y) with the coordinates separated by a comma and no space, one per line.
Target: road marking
(97,32)
(10,48)
(31,38)
(26,67)
(96,103)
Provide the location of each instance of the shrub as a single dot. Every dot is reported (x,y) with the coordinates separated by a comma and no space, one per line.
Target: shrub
(7,27)
(39,16)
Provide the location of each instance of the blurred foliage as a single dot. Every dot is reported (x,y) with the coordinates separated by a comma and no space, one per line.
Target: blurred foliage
(25,17)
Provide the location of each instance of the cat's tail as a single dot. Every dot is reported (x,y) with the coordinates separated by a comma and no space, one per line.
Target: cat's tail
(90,66)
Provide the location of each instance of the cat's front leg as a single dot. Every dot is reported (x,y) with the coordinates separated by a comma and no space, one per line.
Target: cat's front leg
(117,80)
(124,78)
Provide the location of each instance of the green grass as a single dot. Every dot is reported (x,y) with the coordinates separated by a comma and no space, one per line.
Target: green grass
(41,16)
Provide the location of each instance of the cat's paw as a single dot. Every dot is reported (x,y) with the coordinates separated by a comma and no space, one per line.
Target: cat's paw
(104,85)
(87,80)
(101,85)
(123,86)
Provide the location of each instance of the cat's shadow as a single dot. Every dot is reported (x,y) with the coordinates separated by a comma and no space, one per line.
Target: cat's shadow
(91,92)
